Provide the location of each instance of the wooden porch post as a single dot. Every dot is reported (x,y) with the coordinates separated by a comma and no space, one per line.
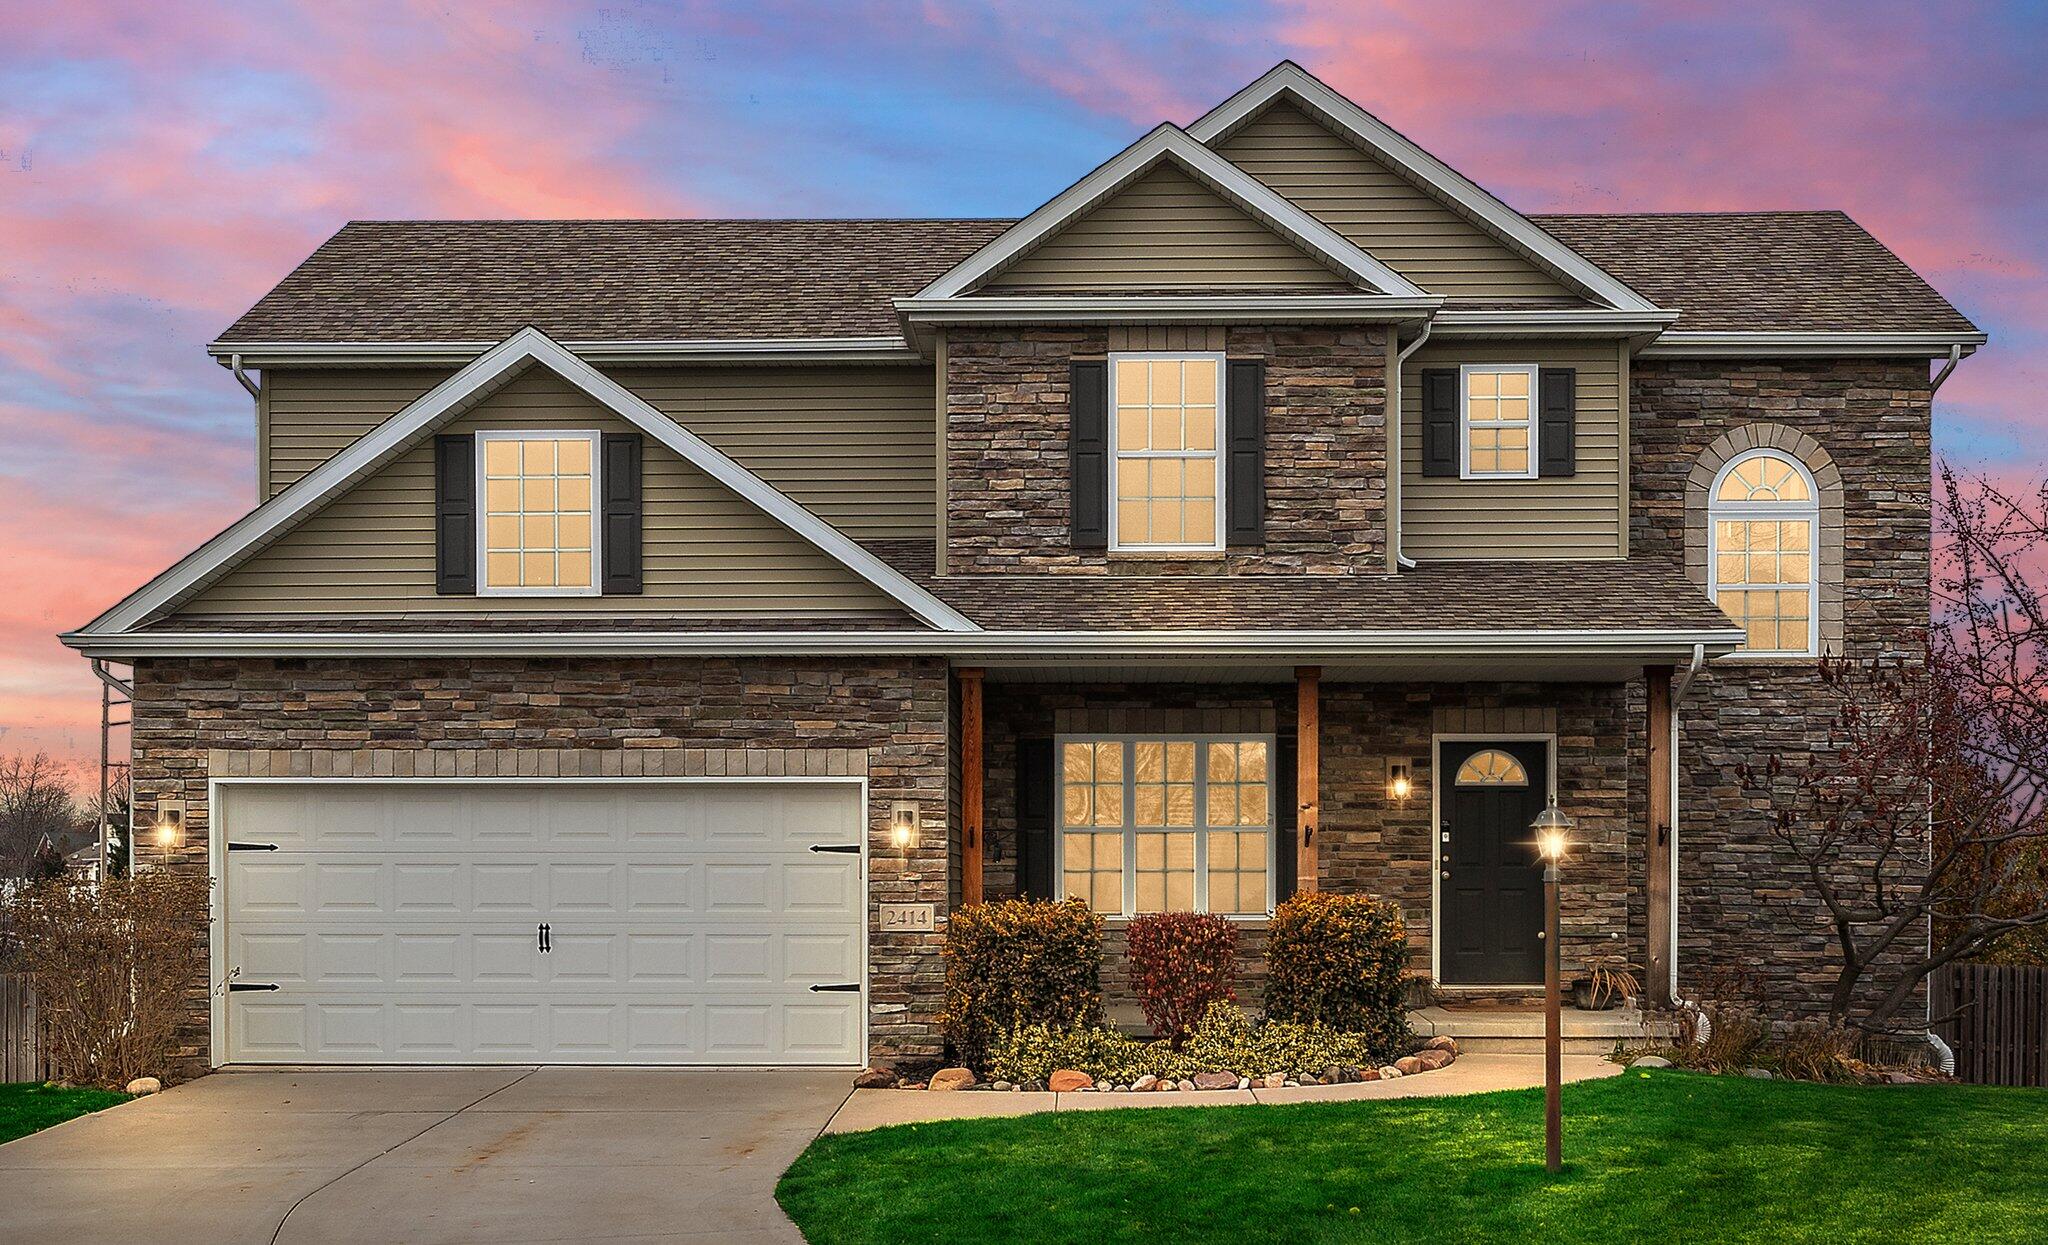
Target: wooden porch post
(1657,837)
(970,786)
(1308,747)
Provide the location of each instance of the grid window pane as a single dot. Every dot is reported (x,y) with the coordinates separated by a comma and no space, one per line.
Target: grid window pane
(1167,428)
(1498,423)
(538,521)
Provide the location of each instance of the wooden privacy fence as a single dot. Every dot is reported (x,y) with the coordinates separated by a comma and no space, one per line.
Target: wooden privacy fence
(21,1047)
(1996,1019)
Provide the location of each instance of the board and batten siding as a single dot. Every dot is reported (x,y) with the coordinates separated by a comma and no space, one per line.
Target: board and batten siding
(1386,215)
(1165,231)
(1580,516)
(707,552)
(853,445)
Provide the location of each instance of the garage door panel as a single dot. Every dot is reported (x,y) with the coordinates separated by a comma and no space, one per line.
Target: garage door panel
(686,923)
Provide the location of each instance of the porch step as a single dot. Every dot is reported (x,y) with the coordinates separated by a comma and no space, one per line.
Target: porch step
(1519,1030)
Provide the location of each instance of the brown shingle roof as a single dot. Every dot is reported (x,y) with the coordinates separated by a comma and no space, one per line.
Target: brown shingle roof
(1751,271)
(670,280)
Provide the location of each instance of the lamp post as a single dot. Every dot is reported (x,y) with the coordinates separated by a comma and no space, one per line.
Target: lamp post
(1553,831)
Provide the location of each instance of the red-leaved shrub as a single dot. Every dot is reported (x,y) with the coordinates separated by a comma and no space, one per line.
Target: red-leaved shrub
(1181,962)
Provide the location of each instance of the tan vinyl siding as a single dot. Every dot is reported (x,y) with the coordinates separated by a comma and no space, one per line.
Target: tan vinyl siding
(1389,217)
(1572,517)
(708,553)
(854,445)
(1165,231)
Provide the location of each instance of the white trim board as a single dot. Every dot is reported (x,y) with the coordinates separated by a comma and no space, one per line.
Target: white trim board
(1170,142)
(459,393)
(1383,142)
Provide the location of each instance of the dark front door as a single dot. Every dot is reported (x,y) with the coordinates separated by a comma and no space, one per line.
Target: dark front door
(1492,880)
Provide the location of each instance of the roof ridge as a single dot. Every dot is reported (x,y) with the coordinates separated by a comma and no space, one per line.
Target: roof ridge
(684,220)
(1702,212)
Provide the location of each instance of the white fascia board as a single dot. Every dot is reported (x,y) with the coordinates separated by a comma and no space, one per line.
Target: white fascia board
(1646,644)
(1396,149)
(1678,344)
(458,393)
(1169,142)
(708,350)
(1552,322)
(1157,308)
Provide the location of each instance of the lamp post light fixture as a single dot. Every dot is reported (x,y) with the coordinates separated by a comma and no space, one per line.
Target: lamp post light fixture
(1553,839)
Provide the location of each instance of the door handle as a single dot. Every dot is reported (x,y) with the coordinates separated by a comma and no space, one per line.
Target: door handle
(543,942)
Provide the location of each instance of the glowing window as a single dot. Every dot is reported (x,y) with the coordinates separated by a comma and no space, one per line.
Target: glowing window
(1492,768)
(1164,475)
(539,515)
(1763,519)
(1500,421)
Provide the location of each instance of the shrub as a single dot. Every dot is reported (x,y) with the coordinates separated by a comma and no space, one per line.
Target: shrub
(1336,961)
(1224,1040)
(1181,962)
(112,966)
(1020,962)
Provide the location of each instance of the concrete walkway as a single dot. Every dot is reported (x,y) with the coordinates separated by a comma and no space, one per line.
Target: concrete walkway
(1471,1074)
(428,1155)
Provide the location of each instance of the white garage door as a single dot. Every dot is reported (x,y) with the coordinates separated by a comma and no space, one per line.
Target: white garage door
(542,922)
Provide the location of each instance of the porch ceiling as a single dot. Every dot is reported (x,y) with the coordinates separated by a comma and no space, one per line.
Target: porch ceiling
(1458,669)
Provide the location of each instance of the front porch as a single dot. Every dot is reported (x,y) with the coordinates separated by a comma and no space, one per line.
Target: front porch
(1363,780)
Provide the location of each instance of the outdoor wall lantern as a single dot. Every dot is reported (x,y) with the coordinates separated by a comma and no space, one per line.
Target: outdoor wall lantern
(903,819)
(1400,783)
(169,833)
(1553,839)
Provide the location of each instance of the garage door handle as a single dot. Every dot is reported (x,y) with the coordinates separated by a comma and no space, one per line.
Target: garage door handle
(844,987)
(850,848)
(252,985)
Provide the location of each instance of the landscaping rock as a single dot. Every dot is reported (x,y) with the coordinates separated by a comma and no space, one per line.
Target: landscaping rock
(1067,1081)
(1442,1043)
(877,1078)
(1760,1074)
(1215,1080)
(1144,1083)
(1185,1085)
(1244,1082)
(952,1078)
(1650,1061)
(1166,1087)
(1001,1085)
(1290,1083)
(1333,1075)
(144,1085)
(1431,1060)
(1272,1080)
(1368,1074)
(1390,1073)
(1408,1065)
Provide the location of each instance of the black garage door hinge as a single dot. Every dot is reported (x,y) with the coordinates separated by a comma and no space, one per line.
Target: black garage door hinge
(252,847)
(843,987)
(252,985)
(850,848)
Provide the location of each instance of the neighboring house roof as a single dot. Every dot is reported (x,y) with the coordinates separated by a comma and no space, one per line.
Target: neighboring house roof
(685,280)
(1757,271)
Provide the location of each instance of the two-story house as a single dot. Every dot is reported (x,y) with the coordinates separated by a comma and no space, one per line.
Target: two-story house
(650,630)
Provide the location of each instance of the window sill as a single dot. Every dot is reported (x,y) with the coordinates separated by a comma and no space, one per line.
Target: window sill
(1168,555)
(1119,923)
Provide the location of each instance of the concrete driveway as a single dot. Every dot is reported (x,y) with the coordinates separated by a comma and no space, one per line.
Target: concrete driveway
(466,1154)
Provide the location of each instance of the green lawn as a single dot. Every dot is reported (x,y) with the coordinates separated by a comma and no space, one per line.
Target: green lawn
(27,1108)
(1650,1156)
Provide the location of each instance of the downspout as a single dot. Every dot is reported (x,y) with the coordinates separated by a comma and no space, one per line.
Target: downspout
(1944,1055)
(1401,560)
(262,428)
(235,366)
(1703,1026)
(1955,356)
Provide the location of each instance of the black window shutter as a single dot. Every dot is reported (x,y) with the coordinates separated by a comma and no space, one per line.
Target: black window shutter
(1286,819)
(1245,401)
(1088,446)
(621,515)
(455,515)
(1440,421)
(1034,818)
(1557,437)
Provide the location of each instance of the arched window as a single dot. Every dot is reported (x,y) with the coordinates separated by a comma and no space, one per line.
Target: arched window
(1763,515)
(1492,768)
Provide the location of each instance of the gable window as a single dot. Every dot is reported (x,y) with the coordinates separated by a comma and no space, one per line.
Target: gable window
(1498,428)
(1167,824)
(1165,473)
(538,522)
(1762,517)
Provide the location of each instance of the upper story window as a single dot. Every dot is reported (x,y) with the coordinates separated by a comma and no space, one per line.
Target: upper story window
(1167,824)
(538,520)
(1165,472)
(1499,423)
(1762,517)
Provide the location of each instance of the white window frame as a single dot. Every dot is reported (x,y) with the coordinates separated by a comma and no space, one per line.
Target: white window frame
(483,510)
(1200,829)
(1465,373)
(1768,511)
(1116,456)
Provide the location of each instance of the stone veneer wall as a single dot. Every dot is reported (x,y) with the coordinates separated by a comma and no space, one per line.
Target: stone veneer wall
(1370,842)
(1747,918)
(1007,467)
(886,718)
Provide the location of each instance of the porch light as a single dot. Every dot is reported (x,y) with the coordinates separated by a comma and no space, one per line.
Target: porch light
(169,832)
(1399,784)
(1553,839)
(903,824)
